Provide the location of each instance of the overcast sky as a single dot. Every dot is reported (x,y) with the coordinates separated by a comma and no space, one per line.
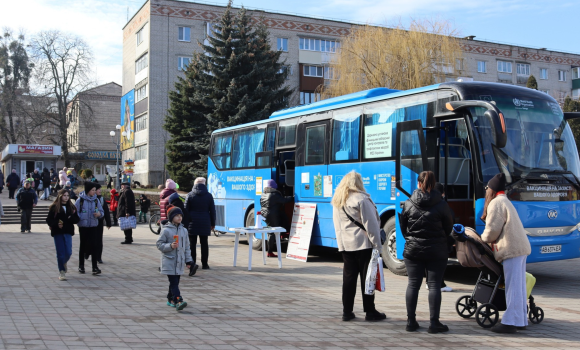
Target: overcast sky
(536,23)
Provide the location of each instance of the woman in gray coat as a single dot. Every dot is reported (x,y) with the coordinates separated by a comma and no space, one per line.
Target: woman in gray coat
(356,243)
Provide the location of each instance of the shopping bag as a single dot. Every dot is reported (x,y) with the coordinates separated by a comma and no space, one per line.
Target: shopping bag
(127,223)
(371,278)
(40,186)
(380,284)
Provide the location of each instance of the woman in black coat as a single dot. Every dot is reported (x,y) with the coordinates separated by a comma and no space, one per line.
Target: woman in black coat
(426,223)
(201,208)
(62,217)
(45,178)
(126,208)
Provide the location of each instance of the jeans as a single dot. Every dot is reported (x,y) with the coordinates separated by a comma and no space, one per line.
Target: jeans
(204,248)
(144,215)
(416,271)
(25,218)
(174,292)
(89,241)
(63,245)
(356,265)
(46,192)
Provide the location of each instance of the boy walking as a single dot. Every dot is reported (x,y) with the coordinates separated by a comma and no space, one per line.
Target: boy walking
(173,243)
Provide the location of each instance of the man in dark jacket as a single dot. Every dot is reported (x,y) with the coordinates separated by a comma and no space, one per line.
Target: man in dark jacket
(201,208)
(144,204)
(45,178)
(37,178)
(126,208)
(272,203)
(26,199)
(12,181)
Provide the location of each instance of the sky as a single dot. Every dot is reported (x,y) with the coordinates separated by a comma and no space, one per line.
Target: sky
(551,24)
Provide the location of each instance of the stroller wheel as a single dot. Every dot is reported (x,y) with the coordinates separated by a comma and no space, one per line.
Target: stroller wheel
(465,306)
(486,315)
(536,316)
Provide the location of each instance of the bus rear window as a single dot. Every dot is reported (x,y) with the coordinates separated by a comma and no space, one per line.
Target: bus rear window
(222,146)
(287,134)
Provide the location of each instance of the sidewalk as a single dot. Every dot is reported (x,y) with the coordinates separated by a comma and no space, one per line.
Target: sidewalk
(296,307)
(12,202)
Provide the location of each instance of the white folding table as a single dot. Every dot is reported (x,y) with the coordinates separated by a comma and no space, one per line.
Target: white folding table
(250,232)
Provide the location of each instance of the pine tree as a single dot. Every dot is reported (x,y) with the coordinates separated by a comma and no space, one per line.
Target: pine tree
(235,80)
(532,83)
(571,105)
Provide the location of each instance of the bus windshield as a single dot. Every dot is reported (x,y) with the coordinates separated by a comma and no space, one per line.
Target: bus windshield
(538,139)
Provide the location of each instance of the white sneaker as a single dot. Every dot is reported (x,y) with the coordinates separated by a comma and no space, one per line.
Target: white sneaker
(62,276)
(447,289)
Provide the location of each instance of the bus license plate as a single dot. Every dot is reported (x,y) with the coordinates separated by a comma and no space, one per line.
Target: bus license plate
(551,249)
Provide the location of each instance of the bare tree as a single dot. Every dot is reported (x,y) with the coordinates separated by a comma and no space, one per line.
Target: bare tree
(396,58)
(63,68)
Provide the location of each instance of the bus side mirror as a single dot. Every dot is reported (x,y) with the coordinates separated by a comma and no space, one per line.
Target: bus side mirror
(498,127)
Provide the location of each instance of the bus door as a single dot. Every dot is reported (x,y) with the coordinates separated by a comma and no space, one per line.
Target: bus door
(312,175)
(411,156)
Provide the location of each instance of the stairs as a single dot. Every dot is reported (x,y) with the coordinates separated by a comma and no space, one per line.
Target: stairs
(12,216)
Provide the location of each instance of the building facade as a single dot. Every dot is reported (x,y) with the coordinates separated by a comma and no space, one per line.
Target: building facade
(159,40)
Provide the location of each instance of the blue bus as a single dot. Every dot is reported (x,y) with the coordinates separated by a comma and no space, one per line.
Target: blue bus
(466,132)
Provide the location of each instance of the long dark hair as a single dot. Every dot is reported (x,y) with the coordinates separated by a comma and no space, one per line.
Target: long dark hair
(489,196)
(56,206)
(427,180)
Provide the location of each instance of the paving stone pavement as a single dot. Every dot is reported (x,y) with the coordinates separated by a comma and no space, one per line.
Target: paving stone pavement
(296,307)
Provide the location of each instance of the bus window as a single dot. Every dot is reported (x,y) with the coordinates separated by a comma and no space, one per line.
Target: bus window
(222,146)
(345,135)
(246,144)
(287,133)
(270,138)
(315,139)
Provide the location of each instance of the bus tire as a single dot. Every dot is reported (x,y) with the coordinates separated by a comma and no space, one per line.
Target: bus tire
(257,243)
(389,250)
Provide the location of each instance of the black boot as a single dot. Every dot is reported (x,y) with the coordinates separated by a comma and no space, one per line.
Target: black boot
(374,316)
(193,269)
(412,325)
(504,328)
(347,316)
(437,327)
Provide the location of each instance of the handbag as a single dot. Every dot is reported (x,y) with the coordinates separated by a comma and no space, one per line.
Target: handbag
(127,223)
(382,232)
(375,280)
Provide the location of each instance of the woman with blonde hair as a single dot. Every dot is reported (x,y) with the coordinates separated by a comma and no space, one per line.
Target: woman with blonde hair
(357,227)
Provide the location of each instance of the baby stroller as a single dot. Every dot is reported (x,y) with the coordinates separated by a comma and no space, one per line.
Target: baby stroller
(488,297)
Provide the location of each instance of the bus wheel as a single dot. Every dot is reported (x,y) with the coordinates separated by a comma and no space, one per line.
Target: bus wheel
(389,252)
(257,243)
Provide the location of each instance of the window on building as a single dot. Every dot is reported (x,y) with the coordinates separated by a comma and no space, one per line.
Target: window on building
(182,63)
(246,144)
(139,36)
(141,152)
(97,169)
(562,96)
(547,92)
(481,67)
(308,97)
(523,69)
(459,64)
(345,135)
(210,28)
(544,73)
(313,71)
(286,69)
(315,142)
(142,63)
(562,75)
(329,73)
(504,67)
(576,94)
(282,44)
(319,45)
(141,123)
(184,33)
(221,148)
(576,73)
(141,93)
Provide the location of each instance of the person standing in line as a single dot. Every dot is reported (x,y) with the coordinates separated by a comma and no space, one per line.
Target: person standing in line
(509,241)
(201,208)
(104,220)
(90,210)
(173,243)
(356,244)
(1,181)
(12,182)
(170,188)
(26,199)
(272,209)
(144,204)
(113,205)
(126,208)
(62,217)
(37,179)
(426,224)
(46,183)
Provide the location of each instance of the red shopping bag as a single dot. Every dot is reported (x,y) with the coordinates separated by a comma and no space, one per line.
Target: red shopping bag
(380,282)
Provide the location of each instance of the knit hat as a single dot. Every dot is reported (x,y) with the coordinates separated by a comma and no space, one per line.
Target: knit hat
(173,197)
(89,186)
(171,212)
(497,183)
(67,183)
(170,184)
(97,186)
(270,183)
(199,180)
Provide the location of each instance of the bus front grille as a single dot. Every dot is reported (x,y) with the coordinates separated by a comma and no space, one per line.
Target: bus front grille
(220,215)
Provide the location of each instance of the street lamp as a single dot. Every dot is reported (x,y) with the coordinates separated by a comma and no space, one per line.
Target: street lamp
(118,144)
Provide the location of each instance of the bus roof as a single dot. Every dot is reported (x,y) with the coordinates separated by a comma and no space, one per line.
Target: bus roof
(349,100)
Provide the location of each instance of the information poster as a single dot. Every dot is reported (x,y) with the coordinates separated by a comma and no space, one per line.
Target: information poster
(328,186)
(259,184)
(301,231)
(377,143)
(318,185)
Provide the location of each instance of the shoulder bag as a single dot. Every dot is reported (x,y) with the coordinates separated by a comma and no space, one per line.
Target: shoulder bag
(382,232)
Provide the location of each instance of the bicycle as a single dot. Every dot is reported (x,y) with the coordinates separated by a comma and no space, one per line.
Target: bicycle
(154,224)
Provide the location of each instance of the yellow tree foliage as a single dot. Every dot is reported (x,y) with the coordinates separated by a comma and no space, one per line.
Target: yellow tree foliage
(396,58)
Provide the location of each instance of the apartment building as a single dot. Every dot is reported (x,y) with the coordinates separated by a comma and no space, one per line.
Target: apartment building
(159,40)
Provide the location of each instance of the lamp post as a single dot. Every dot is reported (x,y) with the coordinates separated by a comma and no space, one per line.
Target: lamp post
(118,144)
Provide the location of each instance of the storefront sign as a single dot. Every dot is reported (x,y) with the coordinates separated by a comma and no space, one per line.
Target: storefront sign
(301,231)
(96,155)
(33,149)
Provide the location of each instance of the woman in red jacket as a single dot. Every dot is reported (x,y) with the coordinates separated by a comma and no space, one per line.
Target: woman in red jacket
(113,205)
(170,188)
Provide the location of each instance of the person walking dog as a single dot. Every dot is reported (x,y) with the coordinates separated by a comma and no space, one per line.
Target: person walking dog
(201,208)
(356,244)
(90,210)
(426,224)
(62,217)
(509,241)
(26,200)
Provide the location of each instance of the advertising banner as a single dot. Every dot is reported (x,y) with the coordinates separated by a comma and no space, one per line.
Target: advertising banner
(128,120)
(301,231)
(35,149)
